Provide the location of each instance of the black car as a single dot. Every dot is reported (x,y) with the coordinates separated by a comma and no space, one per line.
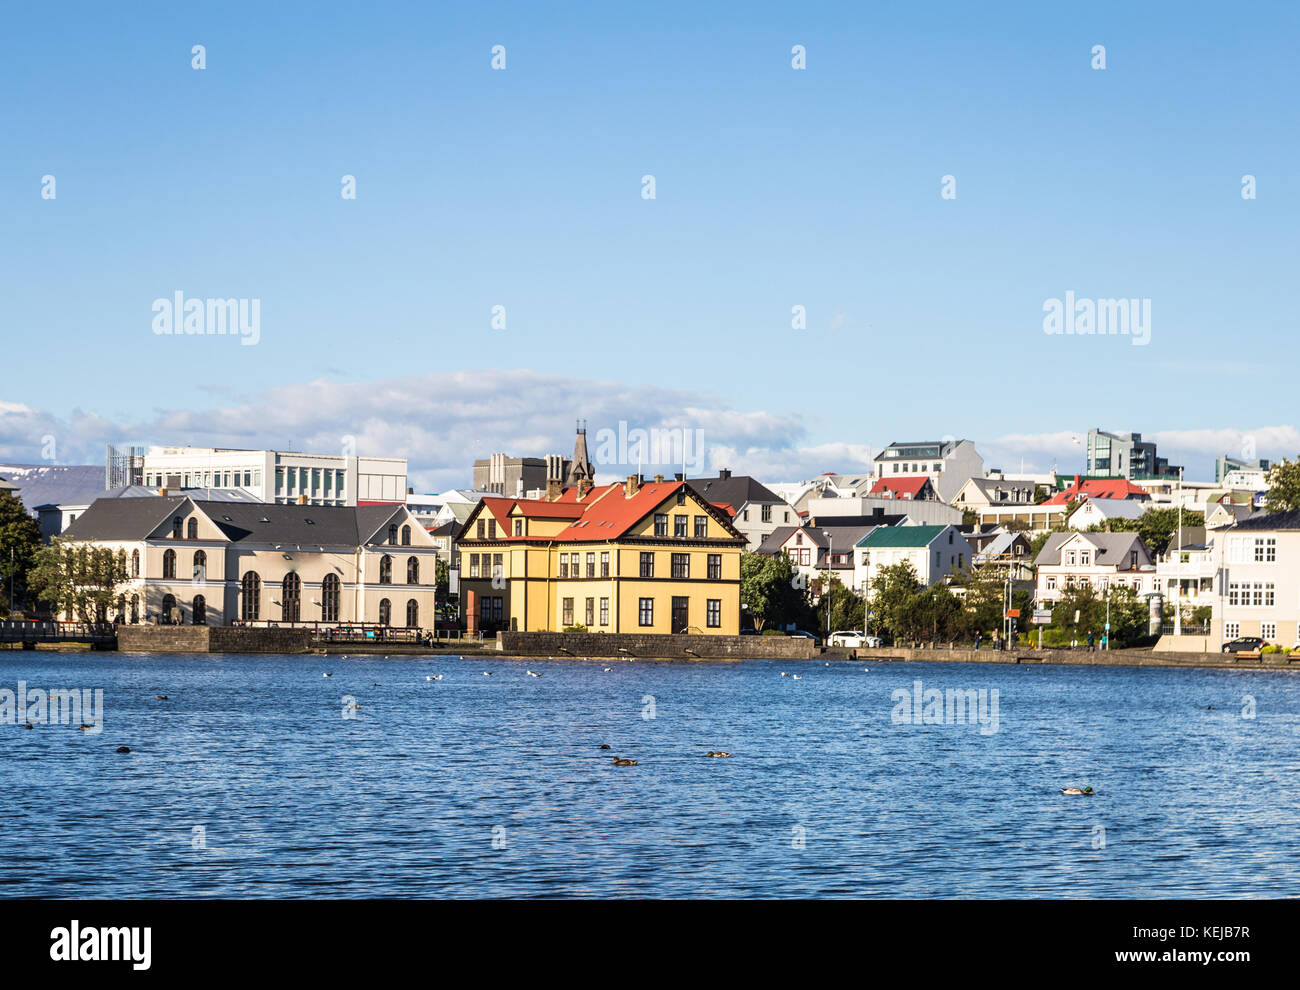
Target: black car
(1243,644)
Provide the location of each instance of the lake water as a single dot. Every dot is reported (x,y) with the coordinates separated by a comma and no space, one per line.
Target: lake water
(251,782)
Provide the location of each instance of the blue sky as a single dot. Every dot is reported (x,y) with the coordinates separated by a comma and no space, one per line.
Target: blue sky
(774,188)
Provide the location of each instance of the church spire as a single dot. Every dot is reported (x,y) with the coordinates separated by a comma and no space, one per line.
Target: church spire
(580,468)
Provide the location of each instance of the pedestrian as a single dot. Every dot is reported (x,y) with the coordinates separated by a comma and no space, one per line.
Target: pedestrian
(1091,641)
(977,639)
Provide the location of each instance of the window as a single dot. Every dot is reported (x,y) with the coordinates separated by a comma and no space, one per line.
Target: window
(647,566)
(1133,560)
(291,598)
(392,535)
(250,603)
(564,565)
(498,570)
(385,569)
(192,528)
(1069,557)
(329,598)
(1268,630)
(412,614)
(681,566)
(713,613)
(329,481)
(473,565)
(176,528)
(661,524)
(604,563)
(169,565)
(519,527)
(482,529)
(492,529)
(385,612)
(681,496)
(1084,557)
(604,611)
(766,513)
(406,536)
(485,610)
(591,565)
(497,609)
(590,616)
(566,611)
(1265,550)
(1231,630)
(412,570)
(199,611)
(679,527)
(135,563)
(1051,582)
(645,612)
(702,525)
(168,610)
(715,567)
(200,569)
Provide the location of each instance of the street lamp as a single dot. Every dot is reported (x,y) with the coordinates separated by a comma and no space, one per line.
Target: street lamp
(830,557)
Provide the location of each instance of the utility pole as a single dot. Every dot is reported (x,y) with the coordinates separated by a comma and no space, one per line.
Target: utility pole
(1178,587)
(830,553)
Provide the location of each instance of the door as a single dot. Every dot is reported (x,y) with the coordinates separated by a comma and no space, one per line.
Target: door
(681,614)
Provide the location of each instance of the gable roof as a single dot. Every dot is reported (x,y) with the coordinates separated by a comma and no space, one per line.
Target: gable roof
(911,487)
(1099,488)
(1289,519)
(733,489)
(1116,508)
(335,525)
(55,484)
(1113,549)
(902,536)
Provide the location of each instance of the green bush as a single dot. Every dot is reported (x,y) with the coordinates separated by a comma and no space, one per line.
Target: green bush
(773,632)
(1271,648)
(575,628)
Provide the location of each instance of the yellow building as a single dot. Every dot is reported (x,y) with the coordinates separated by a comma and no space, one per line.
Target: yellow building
(637,557)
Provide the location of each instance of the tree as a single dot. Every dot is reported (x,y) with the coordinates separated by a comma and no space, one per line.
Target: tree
(771,591)
(846,607)
(20,539)
(1156,526)
(893,593)
(79,580)
(969,517)
(1284,485)
(1128,615)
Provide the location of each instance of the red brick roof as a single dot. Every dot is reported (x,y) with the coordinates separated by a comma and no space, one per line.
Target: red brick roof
(900,487)
(1098,488)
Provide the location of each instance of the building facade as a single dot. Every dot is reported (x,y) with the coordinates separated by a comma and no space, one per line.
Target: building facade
(1257,566)
(198,562)
(638,557)
(1125,455)
(1100,561)
(279,476)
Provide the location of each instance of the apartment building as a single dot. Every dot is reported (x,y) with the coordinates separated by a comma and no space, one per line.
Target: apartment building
(1257,567)
(947,463)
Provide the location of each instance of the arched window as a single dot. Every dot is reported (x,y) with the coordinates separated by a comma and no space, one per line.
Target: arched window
(121,608)
(135,609)
(392,535)
(412,570)
(135,563)
(200,569)
(199,616)
(169,564)
(250,604)
(290,598)
(385,611)
(329,598)
(406,536)
(385,569)
(412,614)
(168,605)
(176,528)
(192,529)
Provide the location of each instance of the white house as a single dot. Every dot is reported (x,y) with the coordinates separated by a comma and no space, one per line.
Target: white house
(1097,560)
(947,463)
(933,551)
(1257,565)
(1099,511)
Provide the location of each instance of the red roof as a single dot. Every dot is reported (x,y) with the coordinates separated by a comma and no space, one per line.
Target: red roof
(1098,488)
(900,487)
(725,507)
(604,513)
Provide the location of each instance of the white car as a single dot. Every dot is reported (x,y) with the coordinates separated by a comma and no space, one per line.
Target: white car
(854,639)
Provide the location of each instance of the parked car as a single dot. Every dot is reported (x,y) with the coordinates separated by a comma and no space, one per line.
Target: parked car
(1242,644)
(846,638)
(806,635)
(751,631)
(873,642)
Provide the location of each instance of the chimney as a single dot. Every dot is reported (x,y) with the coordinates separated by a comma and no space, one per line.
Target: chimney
(631,485)
(678,476)
(659,479)
(1078,482)
(162,492)
(725,473)
(552,489)
(302,499)
(584,486)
